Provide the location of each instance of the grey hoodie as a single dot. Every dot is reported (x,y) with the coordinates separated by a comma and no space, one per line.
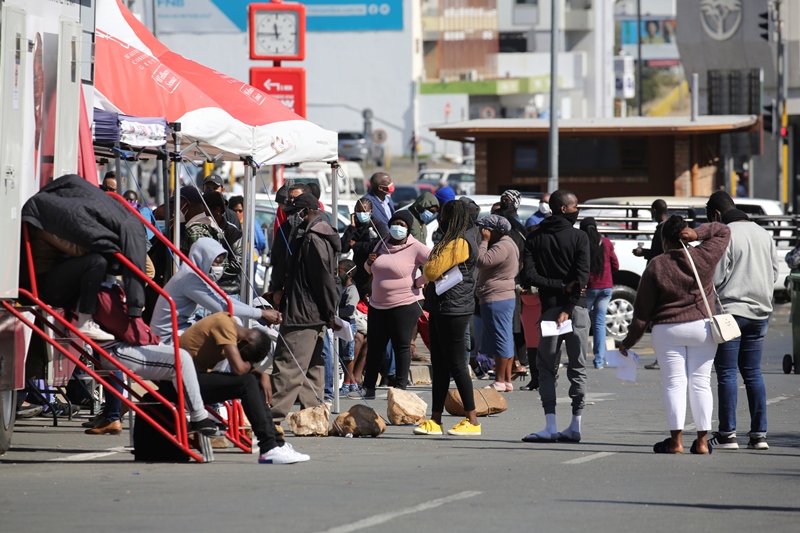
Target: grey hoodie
(189,291)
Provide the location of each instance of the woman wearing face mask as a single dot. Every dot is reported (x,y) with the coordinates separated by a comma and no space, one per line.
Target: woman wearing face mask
(498,264)
(425,210)
(361,236)
(450,313)
(394,306)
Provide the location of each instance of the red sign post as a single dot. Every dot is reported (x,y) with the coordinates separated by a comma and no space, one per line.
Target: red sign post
(286,84)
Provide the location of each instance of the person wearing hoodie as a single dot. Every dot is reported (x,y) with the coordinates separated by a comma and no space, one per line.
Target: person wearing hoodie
(557,263)
(394,307)
(445,194)
(425,209)
(189,291)
(307,291)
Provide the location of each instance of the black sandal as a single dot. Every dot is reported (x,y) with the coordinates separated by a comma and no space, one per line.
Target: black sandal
(693,449)
(663,446)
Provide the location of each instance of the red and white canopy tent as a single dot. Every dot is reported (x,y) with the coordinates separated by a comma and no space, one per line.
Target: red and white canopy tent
(137,75)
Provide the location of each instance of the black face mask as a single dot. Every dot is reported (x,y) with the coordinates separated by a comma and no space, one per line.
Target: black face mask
(505,206)
(571,217)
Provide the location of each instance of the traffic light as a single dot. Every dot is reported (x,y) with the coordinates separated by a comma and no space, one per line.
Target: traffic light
(767,26)
(768,118)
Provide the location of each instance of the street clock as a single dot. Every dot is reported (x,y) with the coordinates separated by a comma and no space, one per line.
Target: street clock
(277,31)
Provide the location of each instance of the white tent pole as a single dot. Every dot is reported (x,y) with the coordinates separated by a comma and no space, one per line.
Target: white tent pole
(175,160)
(246,293)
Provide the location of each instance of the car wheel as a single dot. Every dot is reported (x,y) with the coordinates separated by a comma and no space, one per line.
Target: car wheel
(620,311)
(8,412)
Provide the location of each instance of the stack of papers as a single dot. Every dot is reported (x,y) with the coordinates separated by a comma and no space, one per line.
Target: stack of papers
(550,328)
(626,366)
(449,279)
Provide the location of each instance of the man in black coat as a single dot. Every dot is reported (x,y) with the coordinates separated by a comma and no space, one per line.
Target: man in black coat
(76,211)
(307,292)
(557,263)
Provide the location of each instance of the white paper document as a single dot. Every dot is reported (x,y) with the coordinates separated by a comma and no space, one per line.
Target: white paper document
(449,279)
(626,366)
(550,328)
(346,333)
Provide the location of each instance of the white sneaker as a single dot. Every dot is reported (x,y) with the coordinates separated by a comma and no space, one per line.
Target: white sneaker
(282,455)
(93,331)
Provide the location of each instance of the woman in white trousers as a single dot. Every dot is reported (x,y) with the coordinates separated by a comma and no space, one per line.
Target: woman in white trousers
(669,300)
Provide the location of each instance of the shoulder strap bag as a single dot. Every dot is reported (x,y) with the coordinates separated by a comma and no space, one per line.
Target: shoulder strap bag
(723,327)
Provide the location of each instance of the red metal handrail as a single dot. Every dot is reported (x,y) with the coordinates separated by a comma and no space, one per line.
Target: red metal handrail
(174,249)
(84,367)
(29,253)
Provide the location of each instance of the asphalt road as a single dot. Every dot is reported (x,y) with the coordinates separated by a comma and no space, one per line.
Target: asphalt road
(60,479)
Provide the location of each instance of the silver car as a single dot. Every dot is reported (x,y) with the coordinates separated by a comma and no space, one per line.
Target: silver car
(353,145)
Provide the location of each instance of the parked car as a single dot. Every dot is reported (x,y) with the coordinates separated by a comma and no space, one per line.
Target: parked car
(353,145)
(461,180)
(404,195)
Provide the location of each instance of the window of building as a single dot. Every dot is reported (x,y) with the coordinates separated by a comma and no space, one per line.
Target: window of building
(527,2)
(526,156)
(588,154)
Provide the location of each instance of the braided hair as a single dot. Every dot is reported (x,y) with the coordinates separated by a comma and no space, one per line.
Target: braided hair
(597,250)
(458,221)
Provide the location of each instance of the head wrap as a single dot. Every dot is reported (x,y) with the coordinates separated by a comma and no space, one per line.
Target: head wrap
(495,223)
(514,197)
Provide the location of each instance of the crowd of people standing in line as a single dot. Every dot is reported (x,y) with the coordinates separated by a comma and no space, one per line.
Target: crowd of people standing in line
(394,285)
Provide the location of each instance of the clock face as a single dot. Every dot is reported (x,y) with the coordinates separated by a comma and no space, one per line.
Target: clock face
(276,33)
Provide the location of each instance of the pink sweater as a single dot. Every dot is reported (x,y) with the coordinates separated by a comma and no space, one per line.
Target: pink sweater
(396,280)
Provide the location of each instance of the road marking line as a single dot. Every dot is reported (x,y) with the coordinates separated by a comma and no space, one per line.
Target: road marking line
(778,399)
(592,457)
(88,456)
(385,517)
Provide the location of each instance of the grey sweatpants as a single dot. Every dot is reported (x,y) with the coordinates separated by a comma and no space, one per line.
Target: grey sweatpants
(548,359)
(298,356)
(156,363)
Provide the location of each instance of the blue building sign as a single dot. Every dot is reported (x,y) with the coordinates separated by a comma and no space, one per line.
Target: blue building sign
(230,16)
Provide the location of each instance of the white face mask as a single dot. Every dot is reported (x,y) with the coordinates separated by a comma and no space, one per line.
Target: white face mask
(216,272)
(544,208)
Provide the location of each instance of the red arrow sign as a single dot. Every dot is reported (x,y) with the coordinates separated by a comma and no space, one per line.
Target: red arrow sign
(286,84)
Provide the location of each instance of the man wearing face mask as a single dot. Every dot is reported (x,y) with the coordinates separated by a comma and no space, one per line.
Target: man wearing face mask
(381,188)
(425,209)
(542,213)
(557,263)
(189,291)
(307,291)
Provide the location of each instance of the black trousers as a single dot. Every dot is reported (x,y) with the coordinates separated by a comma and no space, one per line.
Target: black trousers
(396,324)
(75,283)
(447,359)
(218,387)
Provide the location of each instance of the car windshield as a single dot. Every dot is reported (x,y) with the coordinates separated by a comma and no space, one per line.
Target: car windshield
(457,176)
(431,176)
(350,136)
(301,179)
(404,194)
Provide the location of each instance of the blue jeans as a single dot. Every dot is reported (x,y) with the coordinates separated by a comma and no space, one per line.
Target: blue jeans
(743,353)
(597,301)
(327,356)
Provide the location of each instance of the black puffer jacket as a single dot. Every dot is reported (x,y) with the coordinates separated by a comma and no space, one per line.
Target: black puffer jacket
(365,242)
(459,300)
(311,282)
(79,212)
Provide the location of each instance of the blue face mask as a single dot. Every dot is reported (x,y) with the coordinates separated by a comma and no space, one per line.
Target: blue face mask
(427,217)
(362,217)
(398,233)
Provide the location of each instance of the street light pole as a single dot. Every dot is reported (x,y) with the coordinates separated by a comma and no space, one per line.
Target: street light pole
(552,179)
(639,56)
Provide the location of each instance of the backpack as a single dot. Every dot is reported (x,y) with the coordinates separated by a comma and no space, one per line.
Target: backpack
(112,316)
(148,443)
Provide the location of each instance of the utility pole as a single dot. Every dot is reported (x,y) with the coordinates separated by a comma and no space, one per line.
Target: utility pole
(552,178)
(639,56)
(782,141)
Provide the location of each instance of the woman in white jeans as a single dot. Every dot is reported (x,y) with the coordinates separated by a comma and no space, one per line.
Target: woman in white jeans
(669,300)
